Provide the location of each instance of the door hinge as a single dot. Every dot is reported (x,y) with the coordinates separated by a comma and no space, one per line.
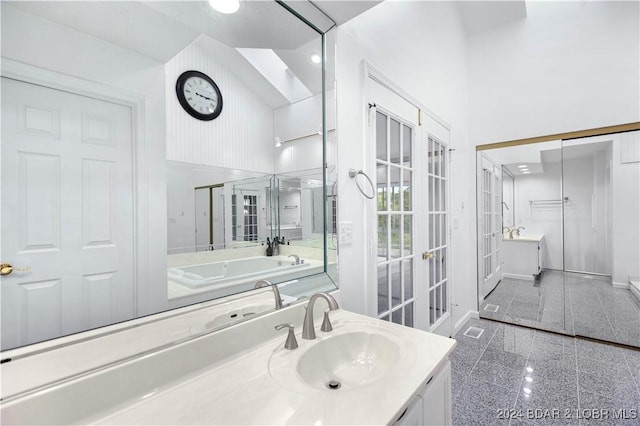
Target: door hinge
(370,113)
(419,117)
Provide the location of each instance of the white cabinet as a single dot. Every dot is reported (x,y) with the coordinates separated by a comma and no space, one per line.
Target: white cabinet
(522,257)
(432,405)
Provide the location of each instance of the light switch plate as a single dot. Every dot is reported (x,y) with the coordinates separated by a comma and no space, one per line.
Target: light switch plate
(345,233)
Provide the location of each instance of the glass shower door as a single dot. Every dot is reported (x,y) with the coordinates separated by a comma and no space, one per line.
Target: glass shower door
(586,187)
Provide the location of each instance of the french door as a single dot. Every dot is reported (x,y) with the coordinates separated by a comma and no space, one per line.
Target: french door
(411,239)
(489,225)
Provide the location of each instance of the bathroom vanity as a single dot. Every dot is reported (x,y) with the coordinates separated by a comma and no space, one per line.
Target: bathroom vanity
(364,371)
(522,256)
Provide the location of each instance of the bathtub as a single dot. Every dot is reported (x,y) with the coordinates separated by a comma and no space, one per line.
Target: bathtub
(219,273)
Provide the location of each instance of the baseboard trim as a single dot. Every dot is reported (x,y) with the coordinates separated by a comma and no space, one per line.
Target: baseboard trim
(469,315)
(620,285)
(518,276)
(635,291)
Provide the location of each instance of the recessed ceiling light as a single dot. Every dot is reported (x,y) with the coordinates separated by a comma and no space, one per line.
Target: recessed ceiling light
(225,6)
(522,166)
(526,172)
(315,58)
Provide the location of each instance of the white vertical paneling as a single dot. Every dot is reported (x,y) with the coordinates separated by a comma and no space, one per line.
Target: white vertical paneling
(297,125)
(241,137)
(98,203)
(39,189)
(630,147)
(41,308)
(97,291)
(302,154)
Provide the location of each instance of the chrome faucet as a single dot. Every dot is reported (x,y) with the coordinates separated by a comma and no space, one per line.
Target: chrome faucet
(308,329)
(516,230)
(295,257)
(291,343)
(274,287)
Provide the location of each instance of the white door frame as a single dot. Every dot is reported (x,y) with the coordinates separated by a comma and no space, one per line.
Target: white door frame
(54,80)
(440,127)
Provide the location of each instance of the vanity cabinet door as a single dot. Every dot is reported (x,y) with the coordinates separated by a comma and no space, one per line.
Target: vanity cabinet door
(436,397)
(413,416)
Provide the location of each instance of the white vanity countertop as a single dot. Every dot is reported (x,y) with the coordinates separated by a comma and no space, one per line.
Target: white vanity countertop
(90,350)
(242,390)
(525,238)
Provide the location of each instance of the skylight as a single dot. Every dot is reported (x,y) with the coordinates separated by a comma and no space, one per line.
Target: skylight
(269,64)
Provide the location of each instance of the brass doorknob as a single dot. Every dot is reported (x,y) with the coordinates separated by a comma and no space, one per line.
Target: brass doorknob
(426,255)
(5,269)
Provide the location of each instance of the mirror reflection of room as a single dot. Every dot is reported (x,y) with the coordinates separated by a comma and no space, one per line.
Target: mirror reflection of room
(203,125)
(553,251)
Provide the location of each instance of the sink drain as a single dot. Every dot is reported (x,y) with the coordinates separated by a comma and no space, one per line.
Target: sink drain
(333,385)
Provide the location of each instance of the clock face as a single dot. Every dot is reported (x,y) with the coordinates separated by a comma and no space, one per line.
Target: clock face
(199,95)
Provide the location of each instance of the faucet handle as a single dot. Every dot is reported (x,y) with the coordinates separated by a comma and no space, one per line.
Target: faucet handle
(291,342)
(326,323)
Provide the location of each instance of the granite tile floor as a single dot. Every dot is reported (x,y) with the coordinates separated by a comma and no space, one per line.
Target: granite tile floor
(570,303)
(513,375)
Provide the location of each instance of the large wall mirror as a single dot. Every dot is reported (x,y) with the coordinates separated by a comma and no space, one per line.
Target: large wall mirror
(559,235)
(117,203)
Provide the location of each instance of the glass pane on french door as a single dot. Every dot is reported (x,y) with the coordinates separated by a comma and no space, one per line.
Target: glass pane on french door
(394,177)
(438,240)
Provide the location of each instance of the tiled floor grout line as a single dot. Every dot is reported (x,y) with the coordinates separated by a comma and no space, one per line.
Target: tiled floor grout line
(635,380)
(526,363)
(573,317)
(604,309)
(575,358)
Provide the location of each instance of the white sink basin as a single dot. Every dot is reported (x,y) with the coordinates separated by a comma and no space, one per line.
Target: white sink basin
(356,355)
(348,360)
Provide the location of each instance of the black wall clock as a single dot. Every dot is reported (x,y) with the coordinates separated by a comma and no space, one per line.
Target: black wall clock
(199,95)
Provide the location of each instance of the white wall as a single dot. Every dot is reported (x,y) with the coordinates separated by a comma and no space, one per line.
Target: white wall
(240,138)
(542,218)
(566,66)
(36,41)
(427,57)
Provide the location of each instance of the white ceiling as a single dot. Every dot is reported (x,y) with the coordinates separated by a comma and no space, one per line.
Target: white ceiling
(128,24)
(478,16)
(342,11)
(161,29)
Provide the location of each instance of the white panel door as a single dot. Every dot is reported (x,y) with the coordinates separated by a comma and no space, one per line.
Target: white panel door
(67,213)
(203,222)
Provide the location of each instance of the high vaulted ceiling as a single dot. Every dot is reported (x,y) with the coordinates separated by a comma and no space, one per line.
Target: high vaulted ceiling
(479,16)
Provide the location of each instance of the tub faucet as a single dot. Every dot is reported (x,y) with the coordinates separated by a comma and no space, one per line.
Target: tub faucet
(274,287)
(308,330)
(295,257)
